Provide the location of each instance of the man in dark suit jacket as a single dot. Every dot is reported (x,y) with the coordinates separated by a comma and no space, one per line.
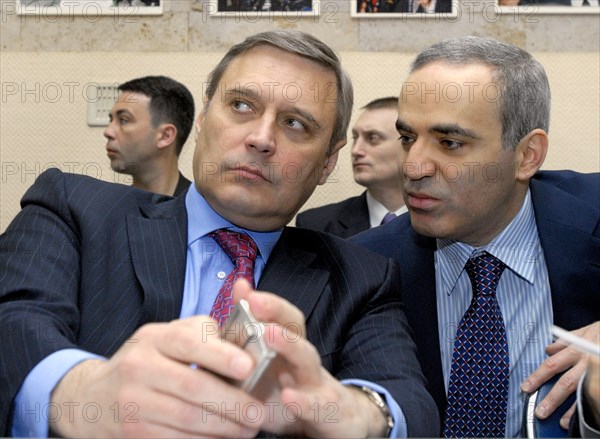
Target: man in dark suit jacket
(472,185)
(98,281)
(376,166)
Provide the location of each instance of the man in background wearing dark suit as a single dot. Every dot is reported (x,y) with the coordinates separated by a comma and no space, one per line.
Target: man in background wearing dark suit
(472,119)
(376,166)
(105,290)
(149,124)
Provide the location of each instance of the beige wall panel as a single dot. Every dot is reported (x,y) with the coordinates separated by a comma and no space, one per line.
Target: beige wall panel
(43,111)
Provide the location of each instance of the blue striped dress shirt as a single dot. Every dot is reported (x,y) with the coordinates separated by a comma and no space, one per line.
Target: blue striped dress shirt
(523,295)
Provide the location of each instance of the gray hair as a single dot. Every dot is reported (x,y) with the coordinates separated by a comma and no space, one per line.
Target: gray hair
(307,46)
(523,89)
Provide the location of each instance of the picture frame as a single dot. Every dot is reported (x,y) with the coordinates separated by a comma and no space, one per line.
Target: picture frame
(405,9)
(264,8)
(117,8)
(534,7)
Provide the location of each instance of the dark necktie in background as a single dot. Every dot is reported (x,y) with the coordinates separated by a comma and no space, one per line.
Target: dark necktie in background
(387,218)
(478,387)
(241,249)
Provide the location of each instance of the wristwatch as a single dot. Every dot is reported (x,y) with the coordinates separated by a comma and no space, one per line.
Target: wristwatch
(376,399)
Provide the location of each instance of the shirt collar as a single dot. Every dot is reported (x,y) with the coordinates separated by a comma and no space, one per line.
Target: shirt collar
(517,246)
(202,220)
(377,210)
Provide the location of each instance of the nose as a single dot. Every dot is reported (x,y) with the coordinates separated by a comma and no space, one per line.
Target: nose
(262,136)
(418,160)
(109,131)
(358,148)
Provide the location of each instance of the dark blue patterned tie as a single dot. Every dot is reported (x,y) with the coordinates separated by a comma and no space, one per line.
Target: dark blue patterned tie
(478,388)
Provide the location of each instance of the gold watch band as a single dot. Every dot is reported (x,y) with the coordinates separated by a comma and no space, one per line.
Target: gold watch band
(376,399)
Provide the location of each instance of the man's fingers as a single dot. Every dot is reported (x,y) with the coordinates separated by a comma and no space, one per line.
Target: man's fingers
(566,418)
(241,290)
(215,417)
(564,387)
(198,341)
(270,308)
(551,366)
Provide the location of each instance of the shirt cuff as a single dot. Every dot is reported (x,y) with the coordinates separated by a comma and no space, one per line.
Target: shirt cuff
(400,428)
(32,404)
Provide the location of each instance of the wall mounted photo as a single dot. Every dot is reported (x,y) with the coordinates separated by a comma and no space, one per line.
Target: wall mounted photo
(259,8)
(532,7)
(121,8)
(403,8)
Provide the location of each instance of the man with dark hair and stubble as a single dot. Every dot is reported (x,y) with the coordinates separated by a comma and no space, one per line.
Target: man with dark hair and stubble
(130,305)
(149,124)
(376,166)
(494,250)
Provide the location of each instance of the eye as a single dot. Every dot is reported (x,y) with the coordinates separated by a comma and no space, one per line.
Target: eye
(241,106)
(374,138)
(294,124)
(406,140)
(451,144)
(123,121)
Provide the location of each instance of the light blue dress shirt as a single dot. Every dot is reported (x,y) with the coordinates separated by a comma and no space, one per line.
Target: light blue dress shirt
(207,266)
(523,295)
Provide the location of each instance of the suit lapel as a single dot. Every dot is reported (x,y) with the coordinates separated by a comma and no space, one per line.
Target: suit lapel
(569,249)
(157,243)
(355,217)
(289,273)
(419,296)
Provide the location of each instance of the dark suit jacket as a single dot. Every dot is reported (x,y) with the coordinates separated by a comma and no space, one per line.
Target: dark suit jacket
(343,219)
(567,212)
(86,263)
(182,185)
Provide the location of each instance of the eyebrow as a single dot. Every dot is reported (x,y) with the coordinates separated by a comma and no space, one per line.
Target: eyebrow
(447,129)
(251,94)
(122,112)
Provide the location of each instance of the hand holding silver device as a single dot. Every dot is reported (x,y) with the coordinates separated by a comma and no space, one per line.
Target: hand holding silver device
(242,329)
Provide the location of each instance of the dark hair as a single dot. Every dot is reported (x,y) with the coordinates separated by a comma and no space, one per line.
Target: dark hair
(170,102)
(307,46)
(387,102)
(524,92)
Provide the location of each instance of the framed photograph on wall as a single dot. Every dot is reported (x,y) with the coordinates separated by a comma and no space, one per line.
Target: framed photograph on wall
(259,8)
(122,8)
(533,7)
(403,8)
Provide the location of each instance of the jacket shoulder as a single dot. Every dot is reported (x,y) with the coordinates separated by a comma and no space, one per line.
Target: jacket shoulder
(327,212)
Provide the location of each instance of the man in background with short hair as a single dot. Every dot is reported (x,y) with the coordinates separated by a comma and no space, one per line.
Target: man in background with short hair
(149,125)
(376,166)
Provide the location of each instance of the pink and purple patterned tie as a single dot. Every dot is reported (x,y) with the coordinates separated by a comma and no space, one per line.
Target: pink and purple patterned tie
(478,387)
(241,249)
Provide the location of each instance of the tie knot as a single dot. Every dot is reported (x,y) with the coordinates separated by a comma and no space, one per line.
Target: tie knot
(388,217)
(236,245)
(484,272)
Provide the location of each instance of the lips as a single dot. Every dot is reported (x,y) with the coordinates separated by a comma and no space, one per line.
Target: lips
(421,201)
(249,172)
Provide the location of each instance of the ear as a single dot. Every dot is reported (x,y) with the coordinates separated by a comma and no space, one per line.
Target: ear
(331,162)
(200,119)
(531,153)
(167,134)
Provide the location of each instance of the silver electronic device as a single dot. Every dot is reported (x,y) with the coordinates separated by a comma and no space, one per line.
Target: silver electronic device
(242,329)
